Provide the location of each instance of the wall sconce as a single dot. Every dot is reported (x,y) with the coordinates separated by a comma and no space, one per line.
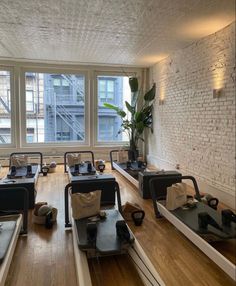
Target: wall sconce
(218,92)
(161,101)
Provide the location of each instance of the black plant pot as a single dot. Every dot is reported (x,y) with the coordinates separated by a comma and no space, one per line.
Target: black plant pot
(133,155)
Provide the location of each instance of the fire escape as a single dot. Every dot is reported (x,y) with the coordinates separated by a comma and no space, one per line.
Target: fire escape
(70,120)
(68,109)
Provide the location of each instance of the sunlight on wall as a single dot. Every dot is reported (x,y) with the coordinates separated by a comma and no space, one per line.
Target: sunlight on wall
(162,87)
(161,94)
(218,68)
(218,78)
(154,59)
(204,26)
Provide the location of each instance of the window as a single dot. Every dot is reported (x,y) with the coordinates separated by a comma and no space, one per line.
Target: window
(30,138)
(54,102)
(114,90)
(106,90)
(5,108)
(59,107)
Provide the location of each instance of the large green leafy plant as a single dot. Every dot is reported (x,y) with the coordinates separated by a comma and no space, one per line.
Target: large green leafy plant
(139,113)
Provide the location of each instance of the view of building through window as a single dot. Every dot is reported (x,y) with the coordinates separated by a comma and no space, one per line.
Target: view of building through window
(5,107)
(54,107)
(114,90)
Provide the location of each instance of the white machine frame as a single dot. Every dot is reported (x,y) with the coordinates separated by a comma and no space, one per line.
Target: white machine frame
(226,265)
(126,175)
(4,267)
(146,270)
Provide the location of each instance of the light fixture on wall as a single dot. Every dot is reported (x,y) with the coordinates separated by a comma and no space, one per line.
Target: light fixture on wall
(161,101)
(218,92)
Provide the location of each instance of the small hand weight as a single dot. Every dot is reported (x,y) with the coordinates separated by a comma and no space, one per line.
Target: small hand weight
(138,217)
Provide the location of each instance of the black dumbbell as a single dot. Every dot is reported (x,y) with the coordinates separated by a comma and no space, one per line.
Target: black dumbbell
(138,217)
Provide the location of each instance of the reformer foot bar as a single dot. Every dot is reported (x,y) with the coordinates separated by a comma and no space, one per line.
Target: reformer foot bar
(108,243)
(39,155)
(24,176)
(186,221)
(82,169)
(14,200)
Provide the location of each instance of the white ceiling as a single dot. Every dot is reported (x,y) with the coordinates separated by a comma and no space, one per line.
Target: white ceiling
(123,32)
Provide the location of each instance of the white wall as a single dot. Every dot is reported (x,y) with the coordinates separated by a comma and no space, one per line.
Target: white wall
(192,128)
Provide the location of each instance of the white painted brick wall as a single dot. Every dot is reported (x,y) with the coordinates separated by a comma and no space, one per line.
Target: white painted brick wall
(192,128)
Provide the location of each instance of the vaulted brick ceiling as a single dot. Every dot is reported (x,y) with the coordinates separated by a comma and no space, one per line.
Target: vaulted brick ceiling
(122,32)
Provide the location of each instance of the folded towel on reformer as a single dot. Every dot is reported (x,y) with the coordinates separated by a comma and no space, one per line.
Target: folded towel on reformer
(85,204)
(122,156)
(176,196)
(19,161)
(73,159)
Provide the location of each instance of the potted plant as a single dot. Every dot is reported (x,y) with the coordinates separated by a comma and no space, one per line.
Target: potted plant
(138,116)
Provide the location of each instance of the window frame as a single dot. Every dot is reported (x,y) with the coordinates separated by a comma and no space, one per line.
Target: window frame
(18,101)
(52,70)
(13,101)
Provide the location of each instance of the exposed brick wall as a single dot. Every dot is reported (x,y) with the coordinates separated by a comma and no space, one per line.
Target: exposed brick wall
(192,128)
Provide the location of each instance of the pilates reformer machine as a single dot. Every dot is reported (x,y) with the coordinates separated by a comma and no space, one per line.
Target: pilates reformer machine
(12,223)
(23,173)
(129,169)
(17,195)
(199,222)
(139,175)
(105,236)
(85,175)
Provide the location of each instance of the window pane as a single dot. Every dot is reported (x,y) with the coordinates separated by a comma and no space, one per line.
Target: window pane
(102,95)
(110,85)
(116,91)
(65,82)
(29,101)
(58,103)
(5,108)
(102,85)
(106,128)
(56,82)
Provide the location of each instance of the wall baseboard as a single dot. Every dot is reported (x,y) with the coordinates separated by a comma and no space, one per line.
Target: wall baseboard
(225,196)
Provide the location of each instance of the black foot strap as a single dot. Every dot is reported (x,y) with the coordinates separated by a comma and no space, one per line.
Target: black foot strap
(92,233)
(122,231)
(204,219)
(227,217)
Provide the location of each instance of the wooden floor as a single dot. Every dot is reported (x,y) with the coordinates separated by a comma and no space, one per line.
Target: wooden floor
(45,257)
